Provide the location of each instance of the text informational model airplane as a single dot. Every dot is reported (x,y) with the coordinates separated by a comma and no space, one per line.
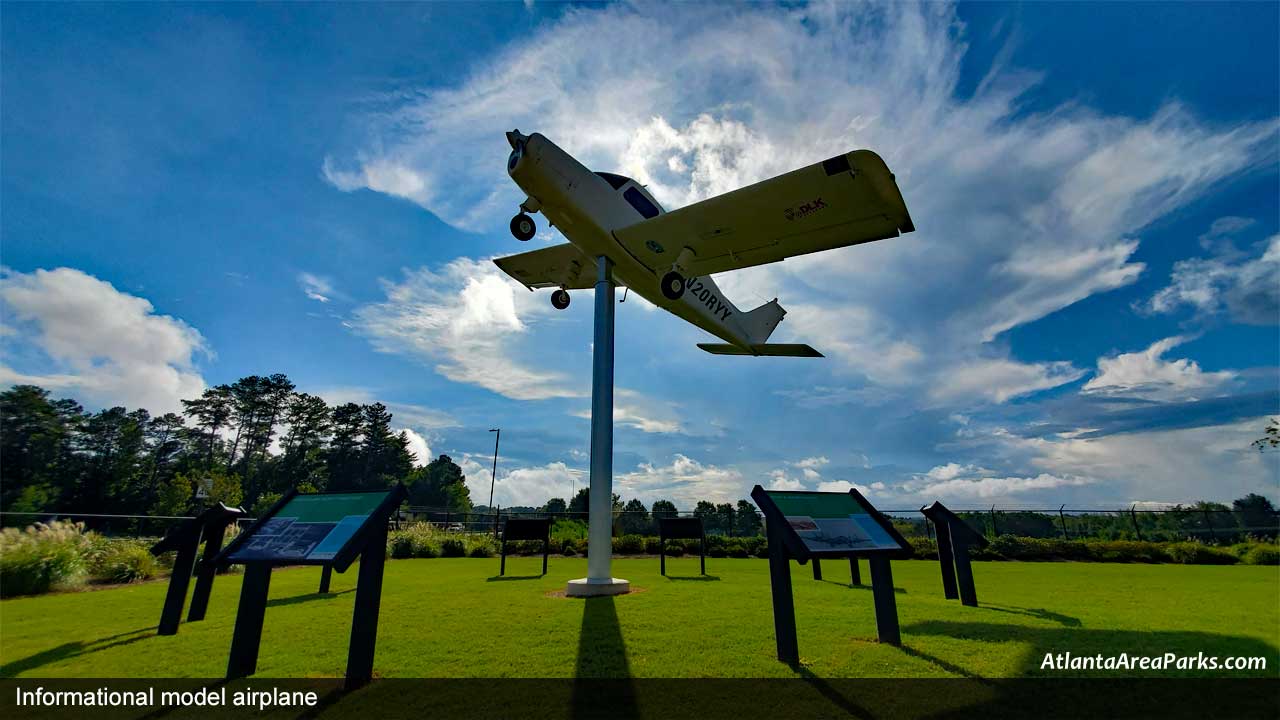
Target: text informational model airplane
(669,257)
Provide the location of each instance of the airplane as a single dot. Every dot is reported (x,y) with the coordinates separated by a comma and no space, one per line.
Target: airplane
(668,258)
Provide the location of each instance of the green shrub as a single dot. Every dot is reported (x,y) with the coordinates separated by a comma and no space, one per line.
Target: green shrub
(400,546)
(1261,554)
(484,546)
(674,548)
(580,545)
(566,549)
(718,552)
(1194,553)
(652,546)
(453,548)
(762,550)
(629,545)
(41,558)
(563,529)
(128,563)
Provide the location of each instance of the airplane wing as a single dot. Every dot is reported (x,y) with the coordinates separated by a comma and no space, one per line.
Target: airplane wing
(556,266)
(849,199)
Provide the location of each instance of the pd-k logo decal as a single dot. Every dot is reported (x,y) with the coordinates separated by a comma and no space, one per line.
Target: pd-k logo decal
(805,210)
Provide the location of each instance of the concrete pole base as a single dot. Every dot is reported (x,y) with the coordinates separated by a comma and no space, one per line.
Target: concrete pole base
(588,587)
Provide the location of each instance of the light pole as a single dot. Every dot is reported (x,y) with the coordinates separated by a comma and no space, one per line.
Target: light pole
(493,477)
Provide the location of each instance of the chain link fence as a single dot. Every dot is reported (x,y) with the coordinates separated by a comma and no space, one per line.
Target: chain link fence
(1215,526)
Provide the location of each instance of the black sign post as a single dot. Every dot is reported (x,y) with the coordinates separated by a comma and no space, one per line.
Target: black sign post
(681,529)
(326,529)
(210,526)
(813,526)
(955,537)
(526,529)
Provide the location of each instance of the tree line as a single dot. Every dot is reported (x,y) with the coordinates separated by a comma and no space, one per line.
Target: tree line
(245,443)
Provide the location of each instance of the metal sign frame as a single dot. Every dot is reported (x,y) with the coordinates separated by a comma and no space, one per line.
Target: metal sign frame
(681,529)
(955,537)
(525,529)
(785,544)
(368,542)
(209,526)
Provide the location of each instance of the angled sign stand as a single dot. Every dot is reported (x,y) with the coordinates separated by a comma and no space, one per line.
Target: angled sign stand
(326,529)
(814,526)
(209,526)
(526,529)
(681,529)
(955,537)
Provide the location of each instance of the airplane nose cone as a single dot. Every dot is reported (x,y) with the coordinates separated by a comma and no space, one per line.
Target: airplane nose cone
(515,139)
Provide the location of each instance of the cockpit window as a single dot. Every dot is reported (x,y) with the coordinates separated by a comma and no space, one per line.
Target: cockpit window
(615,181)
(640,203)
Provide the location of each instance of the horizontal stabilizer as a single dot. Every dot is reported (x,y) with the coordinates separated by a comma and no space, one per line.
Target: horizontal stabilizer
(763,350)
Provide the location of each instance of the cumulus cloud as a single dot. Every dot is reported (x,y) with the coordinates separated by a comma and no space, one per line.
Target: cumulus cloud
(1146,375)
(683,481)
(1244,287)
(417,447)
(466,319)
(1019,214)
(110,347)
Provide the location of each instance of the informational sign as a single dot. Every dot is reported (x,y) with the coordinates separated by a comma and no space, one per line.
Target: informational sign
(308,528)
(834,522)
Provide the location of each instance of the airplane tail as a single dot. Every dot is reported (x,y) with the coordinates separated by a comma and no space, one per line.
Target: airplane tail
(758,324)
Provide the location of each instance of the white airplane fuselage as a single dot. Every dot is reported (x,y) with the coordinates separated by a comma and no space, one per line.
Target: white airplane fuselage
(587,208)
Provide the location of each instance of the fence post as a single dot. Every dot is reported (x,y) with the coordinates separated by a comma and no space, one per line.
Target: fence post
(1063,518)
(1134,514)
(1208,519)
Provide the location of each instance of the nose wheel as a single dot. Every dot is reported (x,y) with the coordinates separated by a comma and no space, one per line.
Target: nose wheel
(673,285)
(523,227)
(560,299)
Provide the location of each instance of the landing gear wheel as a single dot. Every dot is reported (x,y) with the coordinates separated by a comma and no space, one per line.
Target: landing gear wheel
(560,299)
(673,285)
(523,227)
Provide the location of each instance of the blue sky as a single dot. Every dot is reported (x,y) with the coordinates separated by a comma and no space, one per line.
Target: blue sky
(1088,314)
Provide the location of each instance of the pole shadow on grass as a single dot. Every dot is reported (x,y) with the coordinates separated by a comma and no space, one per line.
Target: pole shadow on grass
(693,578)
(509,578)
(307,597)
(69,650)
(1039,613)
(602,687)
(865,586)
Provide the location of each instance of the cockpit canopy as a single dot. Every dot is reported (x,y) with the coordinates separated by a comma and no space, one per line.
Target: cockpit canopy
(637,196)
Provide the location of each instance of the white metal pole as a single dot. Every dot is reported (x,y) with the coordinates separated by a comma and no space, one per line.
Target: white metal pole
(600,532)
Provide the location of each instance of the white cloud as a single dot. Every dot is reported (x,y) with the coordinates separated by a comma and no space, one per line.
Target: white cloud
(991,488)
(1246,288)
(1144,374)
(632,409)
(109,346)
(316,287)
(466,319)
(684,481)
(417,447)
(780,481)
(1019,214)
(999,380)
(812,462)
(522,486)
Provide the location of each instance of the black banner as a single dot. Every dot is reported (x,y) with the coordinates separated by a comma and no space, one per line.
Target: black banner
(809,697)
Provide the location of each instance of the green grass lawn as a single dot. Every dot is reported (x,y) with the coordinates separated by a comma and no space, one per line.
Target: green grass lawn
(453,618)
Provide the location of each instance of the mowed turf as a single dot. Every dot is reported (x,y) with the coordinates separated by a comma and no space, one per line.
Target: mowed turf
(454,618)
